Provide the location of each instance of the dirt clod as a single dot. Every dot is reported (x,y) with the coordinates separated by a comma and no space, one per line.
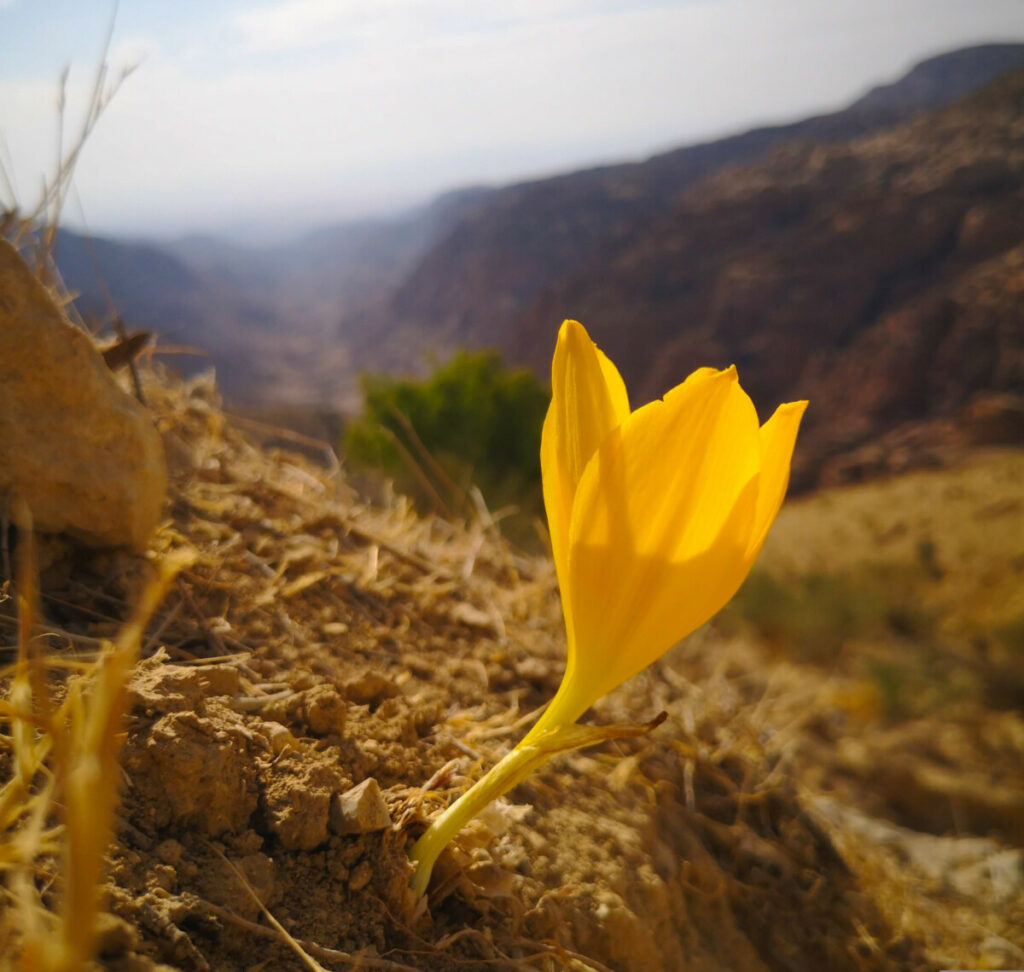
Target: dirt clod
(324,710)
(194,772)
(296,799)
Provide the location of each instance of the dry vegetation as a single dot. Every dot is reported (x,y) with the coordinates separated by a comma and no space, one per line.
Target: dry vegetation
(784,816)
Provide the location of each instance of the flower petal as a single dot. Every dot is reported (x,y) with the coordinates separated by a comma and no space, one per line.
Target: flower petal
(778,437)
(588,400)
(660,529)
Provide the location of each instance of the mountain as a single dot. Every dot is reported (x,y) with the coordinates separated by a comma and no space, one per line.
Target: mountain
(882,278)
(945,78)
(350,262)
(265,317)
(151,288)
(145,278)
(472,285)
(861,258)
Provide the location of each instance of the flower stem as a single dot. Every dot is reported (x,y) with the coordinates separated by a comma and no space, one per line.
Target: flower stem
(532,751)
(554,732)
(504,775)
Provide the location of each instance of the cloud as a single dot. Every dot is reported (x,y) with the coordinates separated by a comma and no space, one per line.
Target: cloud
(131,51)
(294,24)
(407,97)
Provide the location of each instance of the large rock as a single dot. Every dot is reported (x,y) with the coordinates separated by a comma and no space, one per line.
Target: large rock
(82,452)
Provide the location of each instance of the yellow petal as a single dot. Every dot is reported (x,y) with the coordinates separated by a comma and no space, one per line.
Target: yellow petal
(588,400)
(778,437)
(660,529)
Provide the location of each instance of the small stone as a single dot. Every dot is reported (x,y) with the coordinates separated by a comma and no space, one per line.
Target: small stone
(360,877)
(279,737)
(170,851)
(360,809)
(324,710)
(76,447)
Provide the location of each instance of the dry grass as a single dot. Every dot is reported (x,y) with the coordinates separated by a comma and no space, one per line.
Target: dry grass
(64,732)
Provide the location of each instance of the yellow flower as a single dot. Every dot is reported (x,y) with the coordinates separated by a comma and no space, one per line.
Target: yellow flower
(656,517)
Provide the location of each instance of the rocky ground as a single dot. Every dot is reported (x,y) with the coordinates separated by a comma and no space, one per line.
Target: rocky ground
(327,675)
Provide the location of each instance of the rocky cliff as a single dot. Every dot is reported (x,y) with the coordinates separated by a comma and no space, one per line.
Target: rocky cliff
(474,282)
(883,278)
(881,275)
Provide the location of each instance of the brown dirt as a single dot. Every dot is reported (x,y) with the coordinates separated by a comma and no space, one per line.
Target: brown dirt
(318,642)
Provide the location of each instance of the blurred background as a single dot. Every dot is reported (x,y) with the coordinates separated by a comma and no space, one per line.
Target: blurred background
(370,216)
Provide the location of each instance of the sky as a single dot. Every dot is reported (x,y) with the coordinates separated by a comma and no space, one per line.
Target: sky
(255,119)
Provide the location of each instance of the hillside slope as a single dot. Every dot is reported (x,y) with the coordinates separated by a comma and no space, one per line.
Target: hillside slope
(473,285)
(881,278)
(777,819)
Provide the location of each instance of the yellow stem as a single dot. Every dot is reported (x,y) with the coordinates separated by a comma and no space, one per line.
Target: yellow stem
(504,775)
(554,732)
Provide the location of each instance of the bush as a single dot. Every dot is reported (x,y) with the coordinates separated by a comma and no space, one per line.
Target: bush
(472,423)
(814,616)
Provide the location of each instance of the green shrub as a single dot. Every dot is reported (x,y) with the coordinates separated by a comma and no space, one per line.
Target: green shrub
(473,422)
(815,615)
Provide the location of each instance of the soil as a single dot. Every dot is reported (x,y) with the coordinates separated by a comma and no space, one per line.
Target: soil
(318,642)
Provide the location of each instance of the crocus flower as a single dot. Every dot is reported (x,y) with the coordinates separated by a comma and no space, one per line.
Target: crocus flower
(656,517)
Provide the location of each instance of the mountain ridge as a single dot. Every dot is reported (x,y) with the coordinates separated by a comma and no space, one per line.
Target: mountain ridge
(469,286)
(882,278)
(501,267)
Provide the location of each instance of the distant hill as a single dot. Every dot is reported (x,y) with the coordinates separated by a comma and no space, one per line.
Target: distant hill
(943,79)
(351,262)
(861,258)
(882,278)
(151,288)
(472,285)
(265,316)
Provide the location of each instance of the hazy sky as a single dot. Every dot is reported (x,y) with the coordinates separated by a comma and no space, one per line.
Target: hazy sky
(286,113)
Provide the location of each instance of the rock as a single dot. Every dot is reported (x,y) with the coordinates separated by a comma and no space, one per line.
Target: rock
(324,710)
(360,809)
(193,773)
(297,800)
(278,736)
(82,452)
